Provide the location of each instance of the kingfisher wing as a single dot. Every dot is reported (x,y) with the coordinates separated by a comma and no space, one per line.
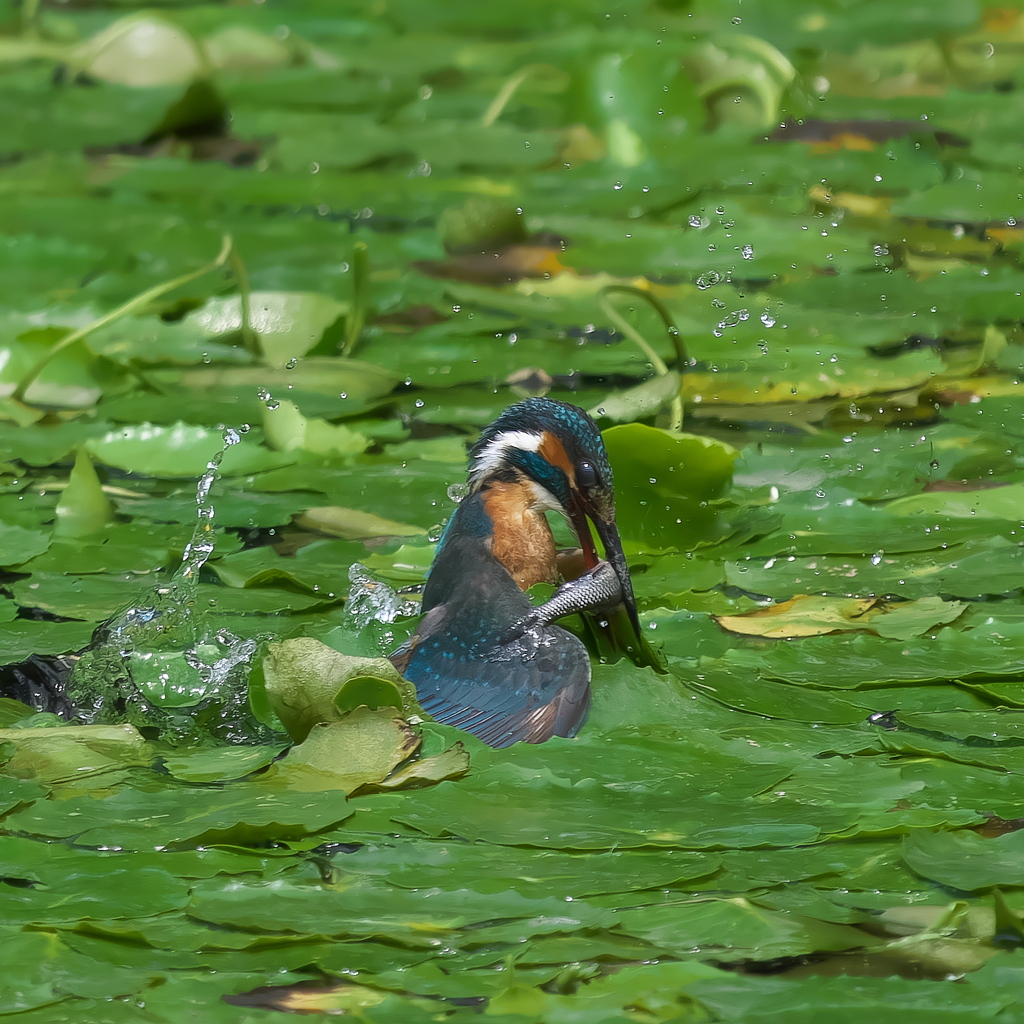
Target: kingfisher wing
(562,716)
(534,686)
(509,700)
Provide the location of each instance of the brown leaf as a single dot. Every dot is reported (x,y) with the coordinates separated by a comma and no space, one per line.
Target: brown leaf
(307,997)
(511,264)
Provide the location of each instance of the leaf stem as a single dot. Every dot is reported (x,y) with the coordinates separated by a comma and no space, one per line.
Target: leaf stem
(249,338)
(30,17)
(138,302)
(623,326)
(357,315)
(505,93)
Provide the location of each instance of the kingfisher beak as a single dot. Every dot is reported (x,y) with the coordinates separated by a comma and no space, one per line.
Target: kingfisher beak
(626,634)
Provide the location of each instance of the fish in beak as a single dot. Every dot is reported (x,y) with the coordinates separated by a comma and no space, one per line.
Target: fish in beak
(621,627)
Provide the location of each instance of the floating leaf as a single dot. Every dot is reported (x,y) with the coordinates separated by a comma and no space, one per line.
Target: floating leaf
(643,400)
(351,385)
(351,524)
(308,683)
(74,752)
(363,748)
(288,324)
(995,503)
(965,860)
(221,764)
(816,616)
(287,429)
(178,450)
(19,544)
(450,764)
(665,482)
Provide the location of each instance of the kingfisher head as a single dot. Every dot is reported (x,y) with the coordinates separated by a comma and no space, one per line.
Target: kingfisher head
(558,449)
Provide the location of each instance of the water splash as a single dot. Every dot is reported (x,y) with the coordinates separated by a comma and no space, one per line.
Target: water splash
(201,544)
(372,600)
(160,663)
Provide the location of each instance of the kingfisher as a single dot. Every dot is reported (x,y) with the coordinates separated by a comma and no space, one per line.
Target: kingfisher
(483,658)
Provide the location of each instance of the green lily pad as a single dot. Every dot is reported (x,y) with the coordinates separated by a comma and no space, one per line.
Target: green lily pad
(21,544)
(220,764)
(665,483)
(288,324)
(179,450)
(964,860)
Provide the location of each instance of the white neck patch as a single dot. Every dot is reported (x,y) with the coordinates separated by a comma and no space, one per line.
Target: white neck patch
(494,455)
(544,500)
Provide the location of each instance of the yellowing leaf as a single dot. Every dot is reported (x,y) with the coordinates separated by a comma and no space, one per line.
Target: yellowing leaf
(806,615)
(353,524)
(364,748)
(142,51)
(71,752)
(860,205)
(303,998)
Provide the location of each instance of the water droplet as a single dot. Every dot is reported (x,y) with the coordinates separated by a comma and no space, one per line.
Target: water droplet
(733,319)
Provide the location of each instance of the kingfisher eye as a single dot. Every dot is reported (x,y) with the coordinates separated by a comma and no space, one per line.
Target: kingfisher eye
(586,475)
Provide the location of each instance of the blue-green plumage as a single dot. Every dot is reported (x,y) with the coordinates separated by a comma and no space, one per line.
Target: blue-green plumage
(532,689)
(483,658)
